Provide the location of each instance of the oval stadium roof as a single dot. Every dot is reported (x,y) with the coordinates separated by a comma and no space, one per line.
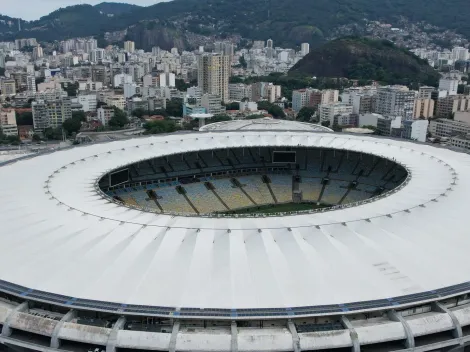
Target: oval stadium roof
(264,124)
(60,236)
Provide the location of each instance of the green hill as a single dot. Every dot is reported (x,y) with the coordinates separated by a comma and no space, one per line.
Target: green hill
(287,22)
(361,58)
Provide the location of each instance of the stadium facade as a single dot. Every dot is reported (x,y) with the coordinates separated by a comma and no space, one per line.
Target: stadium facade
(96,254)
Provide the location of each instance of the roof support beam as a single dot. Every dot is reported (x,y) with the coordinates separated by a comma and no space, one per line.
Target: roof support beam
(396,316)
(439,307)
(174,336)
(295,336)
(112,339)
(55,342)
(234,340)
(6,330)
(352,332)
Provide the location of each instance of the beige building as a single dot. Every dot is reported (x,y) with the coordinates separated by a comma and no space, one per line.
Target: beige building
(129,46)
(116,100)
(423,108)
(8,87)
(213,75)
(462,116)
(8,122)
(445,107)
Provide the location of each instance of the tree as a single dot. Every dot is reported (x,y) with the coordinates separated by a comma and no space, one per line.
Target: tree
(79,115)
(232,106)
(139,113)
(243,61)
(220,118)
(272,109)
(181,85)
(174,107)
(119,119)
(72,125)
(25,119)
(71,88)
(53,133)
(156,127)
(305,114)
(36,138)
(253,117)
(160,112)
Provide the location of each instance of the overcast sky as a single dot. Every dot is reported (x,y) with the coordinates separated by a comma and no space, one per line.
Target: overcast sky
(34,9)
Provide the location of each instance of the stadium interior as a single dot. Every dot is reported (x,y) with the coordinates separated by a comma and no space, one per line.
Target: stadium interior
(253,180)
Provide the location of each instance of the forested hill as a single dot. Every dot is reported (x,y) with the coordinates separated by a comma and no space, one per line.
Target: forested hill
(360,58)
(287,22)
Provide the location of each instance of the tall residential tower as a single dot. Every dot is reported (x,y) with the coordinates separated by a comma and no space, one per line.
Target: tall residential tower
(213,74)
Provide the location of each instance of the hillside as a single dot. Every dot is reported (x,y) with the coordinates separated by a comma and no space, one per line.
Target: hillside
(360,58)
(287,22)
(115,8)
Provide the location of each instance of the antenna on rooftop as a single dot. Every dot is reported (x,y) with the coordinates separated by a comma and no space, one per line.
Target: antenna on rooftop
(19,25)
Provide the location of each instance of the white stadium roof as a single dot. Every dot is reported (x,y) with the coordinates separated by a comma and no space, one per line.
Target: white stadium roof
(59,236)
(264,124)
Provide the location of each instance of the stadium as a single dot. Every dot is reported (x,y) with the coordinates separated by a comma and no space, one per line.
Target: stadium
(237,241)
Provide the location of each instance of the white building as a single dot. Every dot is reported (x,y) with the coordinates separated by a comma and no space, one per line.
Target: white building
(369,119)
(415,130)
(212,104)
(304,48)
(248,106)
(121,79)
(130,89)
(329,111)
(31,82)
(449,84)
(239,91)
(87,101)
(460,54)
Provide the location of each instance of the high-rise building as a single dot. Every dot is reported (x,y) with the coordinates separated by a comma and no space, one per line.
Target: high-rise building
(89,45)
(99,73)
(31,80)
(51,113)
(2,60)
(37,52)
(97,55)
(460,54)
(445,107)
(213,74)
(304,48)
(423,108)
(129,46)
(269,43)
(396,101)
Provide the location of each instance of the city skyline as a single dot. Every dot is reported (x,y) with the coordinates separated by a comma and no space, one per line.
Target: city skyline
(27,10)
